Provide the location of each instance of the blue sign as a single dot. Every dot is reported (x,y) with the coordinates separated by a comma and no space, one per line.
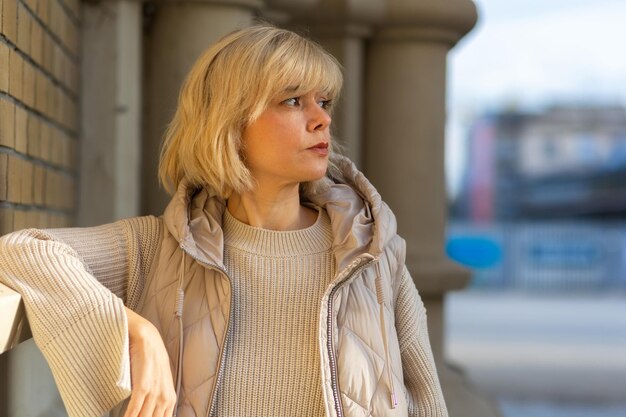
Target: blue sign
(474,251)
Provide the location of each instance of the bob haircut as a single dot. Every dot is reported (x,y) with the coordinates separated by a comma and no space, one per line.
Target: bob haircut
(228,87)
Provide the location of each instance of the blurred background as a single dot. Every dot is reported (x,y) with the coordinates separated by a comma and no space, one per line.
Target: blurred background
(536,180)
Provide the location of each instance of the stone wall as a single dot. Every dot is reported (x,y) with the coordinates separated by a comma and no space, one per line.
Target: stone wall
(38,112)
(39,135)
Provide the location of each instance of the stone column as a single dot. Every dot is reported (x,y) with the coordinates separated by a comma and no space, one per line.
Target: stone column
(177,32)
(110,111)
(404,154)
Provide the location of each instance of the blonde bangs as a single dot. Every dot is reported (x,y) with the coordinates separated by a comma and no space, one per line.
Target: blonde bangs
(297,66)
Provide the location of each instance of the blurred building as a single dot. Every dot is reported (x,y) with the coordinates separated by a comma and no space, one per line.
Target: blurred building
(543,202)
(564,162)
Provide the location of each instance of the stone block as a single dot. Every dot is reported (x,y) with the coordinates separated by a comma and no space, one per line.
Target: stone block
(34,136)
(41,89)
(14,185)
(74,6)
(39,185)
(44,221)
(54,153)
(4,68)
(52,104)
(24,20)
(6,221)
(73,38)
(47,44)
(36,40)
(26,182)
(32,4)
(43,11)
(32,218)
(21,129)
(53,189)
(44,145)
(4,167)
(16,74)
(73,78)
(20,220)
(67,198)
(9,19)
(29,84)
(57,62)
(7,123)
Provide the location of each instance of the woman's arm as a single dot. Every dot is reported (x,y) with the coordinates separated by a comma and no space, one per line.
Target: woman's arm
(420,375)
(78,323)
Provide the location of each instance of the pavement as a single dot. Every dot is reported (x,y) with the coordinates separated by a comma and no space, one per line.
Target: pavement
(542,355)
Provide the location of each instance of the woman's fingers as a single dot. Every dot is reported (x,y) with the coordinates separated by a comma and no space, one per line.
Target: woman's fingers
(144,404)
(148,409)
(134,405)
(163,411)
(152,392)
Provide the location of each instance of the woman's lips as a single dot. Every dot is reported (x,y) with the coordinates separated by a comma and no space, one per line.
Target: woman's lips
(321,148)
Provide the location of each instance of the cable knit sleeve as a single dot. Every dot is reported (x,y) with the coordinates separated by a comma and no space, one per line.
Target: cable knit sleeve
(420,375)
(73,283)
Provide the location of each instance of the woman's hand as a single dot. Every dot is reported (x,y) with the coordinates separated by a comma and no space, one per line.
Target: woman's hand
(152,390)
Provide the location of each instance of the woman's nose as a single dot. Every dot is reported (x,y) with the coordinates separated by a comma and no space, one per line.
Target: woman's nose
(319,119)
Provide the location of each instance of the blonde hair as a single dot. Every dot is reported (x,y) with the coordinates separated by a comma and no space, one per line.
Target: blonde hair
(228,87)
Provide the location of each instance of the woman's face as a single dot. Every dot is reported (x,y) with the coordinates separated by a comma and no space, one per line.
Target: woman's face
(289,141)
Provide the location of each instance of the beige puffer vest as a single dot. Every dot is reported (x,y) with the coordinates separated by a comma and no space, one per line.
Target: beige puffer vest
(361,363)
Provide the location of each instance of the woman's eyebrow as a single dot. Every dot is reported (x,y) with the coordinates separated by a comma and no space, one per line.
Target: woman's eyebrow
(292,88)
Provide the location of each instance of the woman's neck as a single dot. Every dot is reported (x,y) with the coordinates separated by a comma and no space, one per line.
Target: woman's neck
(274,209)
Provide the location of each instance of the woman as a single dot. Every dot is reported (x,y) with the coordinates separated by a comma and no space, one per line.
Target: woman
(274,283)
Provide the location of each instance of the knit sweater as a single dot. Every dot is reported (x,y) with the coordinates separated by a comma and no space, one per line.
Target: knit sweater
(278,278)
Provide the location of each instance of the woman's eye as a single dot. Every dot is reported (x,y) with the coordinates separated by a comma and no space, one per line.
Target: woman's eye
(325,104)
(294,101)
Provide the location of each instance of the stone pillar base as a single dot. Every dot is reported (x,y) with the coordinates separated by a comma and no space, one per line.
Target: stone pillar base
(434,277)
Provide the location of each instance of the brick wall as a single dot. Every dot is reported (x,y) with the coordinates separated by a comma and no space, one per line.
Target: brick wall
(39,62)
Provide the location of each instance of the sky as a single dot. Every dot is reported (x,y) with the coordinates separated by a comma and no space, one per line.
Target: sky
(530,54)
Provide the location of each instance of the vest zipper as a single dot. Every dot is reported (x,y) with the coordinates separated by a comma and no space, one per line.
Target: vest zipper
(222,358)
(350,270)
(355,267)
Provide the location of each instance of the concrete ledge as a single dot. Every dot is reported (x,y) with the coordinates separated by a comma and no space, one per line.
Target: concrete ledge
(13,326)
(435,276)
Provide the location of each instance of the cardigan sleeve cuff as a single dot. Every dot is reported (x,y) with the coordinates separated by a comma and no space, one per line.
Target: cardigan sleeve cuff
(90,360)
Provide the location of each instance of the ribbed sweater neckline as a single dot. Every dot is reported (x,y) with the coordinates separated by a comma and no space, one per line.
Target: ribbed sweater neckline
(313,239)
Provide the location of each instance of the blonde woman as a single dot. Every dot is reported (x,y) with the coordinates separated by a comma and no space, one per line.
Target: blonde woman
(273,284)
